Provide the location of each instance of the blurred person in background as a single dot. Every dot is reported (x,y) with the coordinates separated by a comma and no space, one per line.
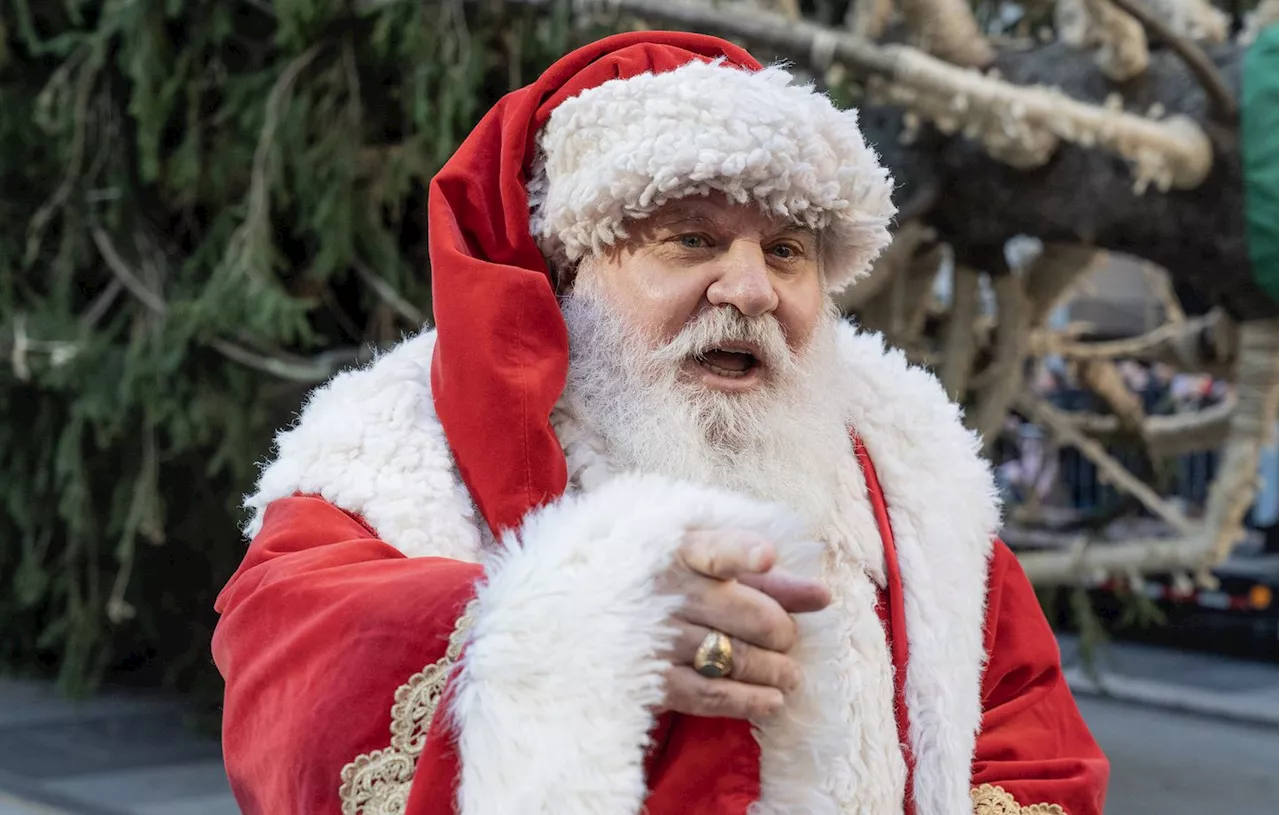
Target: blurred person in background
(643,525)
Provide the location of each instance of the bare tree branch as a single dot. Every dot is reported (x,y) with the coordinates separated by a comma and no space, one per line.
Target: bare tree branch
(1103,378)
(1019,125)
(1232,492)
(899,310)
(1198,343)
(1221,98)
(959,344)
(1252,425)
(948,30)
(1123,54)
(1053,274)
(868,18)
(892,262)
(1167,436)
(1060,425)
(1008,359)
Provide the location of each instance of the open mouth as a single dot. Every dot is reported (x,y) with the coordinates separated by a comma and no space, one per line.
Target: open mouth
(731,362)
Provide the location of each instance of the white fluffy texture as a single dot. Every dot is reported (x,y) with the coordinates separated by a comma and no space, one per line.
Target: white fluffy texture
(944,512)
(369,442)
(620,150)
(553,700)
(836,749)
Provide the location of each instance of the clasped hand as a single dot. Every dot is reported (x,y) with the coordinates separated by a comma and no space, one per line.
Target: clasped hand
(729,584)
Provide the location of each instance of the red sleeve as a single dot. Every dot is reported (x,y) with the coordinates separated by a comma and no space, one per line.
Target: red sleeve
(320,626)
(1034,745)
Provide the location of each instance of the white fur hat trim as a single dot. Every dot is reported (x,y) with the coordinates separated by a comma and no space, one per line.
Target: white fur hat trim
(620,150)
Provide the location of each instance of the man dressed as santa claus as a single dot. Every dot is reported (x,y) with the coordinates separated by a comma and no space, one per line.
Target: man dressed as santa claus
(642,526)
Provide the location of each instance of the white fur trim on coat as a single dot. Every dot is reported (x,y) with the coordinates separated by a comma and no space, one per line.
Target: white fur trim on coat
(370,443)
(944,513)
(553,701)
(834,748)
(619,151)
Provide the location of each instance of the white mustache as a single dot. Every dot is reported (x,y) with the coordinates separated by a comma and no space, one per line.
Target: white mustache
(722,325)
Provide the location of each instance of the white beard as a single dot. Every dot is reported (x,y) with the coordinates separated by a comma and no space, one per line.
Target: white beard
(781,442)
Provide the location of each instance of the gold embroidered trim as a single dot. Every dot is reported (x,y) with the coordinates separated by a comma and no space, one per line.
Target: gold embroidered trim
(992,800)
(378,783)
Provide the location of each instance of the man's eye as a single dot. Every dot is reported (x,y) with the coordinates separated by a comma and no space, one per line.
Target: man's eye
(785,251)
(693,241)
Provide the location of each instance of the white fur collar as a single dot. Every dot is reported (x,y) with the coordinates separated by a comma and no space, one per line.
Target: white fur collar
(369,442)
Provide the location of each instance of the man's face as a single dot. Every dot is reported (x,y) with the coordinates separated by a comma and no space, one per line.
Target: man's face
(706,350)
(704,254)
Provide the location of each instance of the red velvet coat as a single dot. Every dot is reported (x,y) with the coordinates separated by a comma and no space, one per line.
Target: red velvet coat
(345,695)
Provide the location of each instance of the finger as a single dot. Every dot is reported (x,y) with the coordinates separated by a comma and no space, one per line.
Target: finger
(726,554)
(691,693)
(740,611)
(751,664)
(795,594)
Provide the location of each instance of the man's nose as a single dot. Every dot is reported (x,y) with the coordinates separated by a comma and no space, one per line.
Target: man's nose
(743,280)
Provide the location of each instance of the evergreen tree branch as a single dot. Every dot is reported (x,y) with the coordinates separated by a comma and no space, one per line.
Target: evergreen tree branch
(87,60)
(387,293)
(101,305)
(313,370)
(125,275)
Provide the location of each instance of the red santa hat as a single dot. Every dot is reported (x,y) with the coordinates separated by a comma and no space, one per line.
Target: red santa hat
(556,170)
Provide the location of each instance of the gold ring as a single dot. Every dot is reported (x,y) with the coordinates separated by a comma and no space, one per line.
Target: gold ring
(714,657)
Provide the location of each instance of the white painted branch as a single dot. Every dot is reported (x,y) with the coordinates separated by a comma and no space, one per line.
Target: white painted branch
(1256,21)
(893,261)
(1197,20)
(1058,423)
(1252,426)
(869,18)
(959,344)
(948,30)
(1122,43)
(1055,273)
(1199,343)
(1168,436)
(1013,317)
(1022,125)
(1205,543)
(1103,378)
(899,310)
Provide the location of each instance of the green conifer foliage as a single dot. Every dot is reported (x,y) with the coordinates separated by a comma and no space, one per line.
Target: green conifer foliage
(206,207)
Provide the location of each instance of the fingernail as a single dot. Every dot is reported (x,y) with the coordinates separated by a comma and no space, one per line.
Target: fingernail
(758,556)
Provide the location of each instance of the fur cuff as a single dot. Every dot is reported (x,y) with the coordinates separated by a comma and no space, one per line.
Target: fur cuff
(554,698)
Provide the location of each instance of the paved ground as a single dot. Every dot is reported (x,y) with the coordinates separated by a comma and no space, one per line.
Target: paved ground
(131,754)
(118,754)
(1153,676)
(1165,763)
